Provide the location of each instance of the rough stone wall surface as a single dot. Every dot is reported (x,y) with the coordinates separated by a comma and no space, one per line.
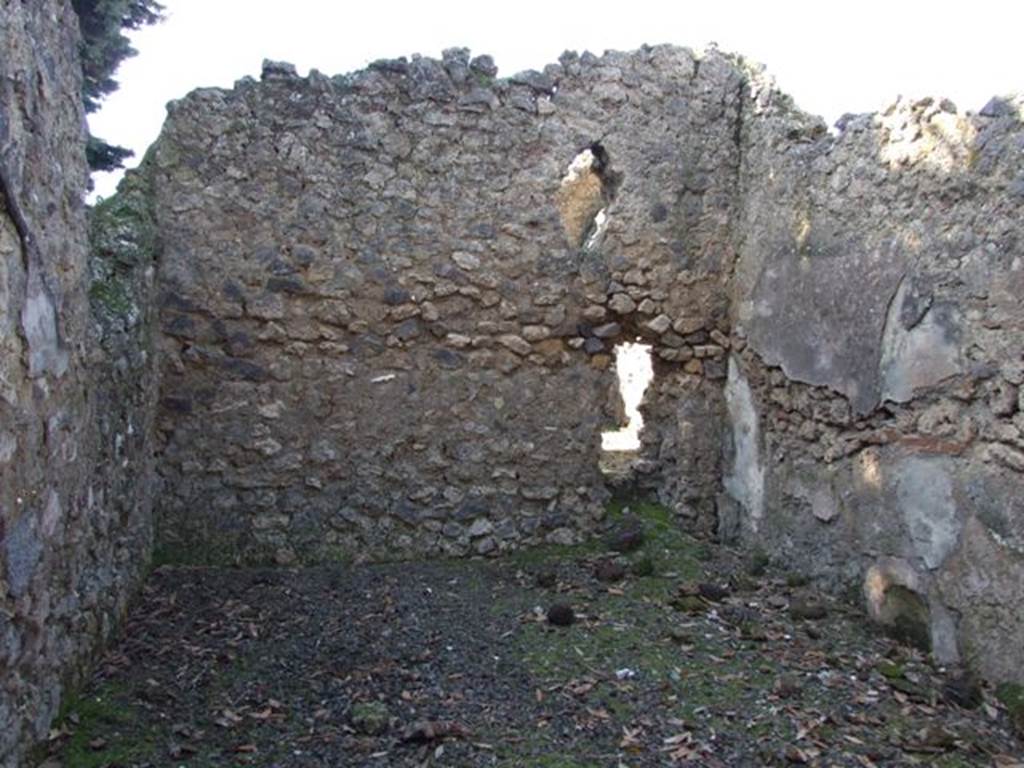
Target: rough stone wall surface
(388,300)
(77,391)
(879,332)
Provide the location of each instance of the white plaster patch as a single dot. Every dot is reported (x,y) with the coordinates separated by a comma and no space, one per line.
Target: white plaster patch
(745,480)
(271,410)
(52,513)
(915,359)
(8,447)
(945,647)
(466,261)
(823,505)
(925,496)
(39,320)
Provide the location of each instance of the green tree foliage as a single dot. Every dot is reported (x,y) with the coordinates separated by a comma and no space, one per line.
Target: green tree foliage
(102,156)
(104,46)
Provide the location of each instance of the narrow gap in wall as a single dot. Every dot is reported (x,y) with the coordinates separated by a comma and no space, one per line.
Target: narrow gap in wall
(634,370)
(596,231)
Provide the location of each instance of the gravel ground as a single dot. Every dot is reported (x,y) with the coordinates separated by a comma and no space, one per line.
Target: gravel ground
(679,653)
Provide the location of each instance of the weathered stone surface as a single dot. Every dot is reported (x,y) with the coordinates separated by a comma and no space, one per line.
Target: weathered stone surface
(660,324)
(984,582)
(77,384)
(335,236)
(608,331)
(622,304)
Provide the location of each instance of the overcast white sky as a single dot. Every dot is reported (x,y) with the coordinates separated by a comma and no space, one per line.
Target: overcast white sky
(833,57)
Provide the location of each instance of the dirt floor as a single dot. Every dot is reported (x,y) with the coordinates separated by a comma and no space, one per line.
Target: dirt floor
(679,653)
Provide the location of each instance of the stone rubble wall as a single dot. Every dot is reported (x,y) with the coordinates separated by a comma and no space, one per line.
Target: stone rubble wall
(875,379)
(383,307)
(387,324)
(77,389)
(389,302)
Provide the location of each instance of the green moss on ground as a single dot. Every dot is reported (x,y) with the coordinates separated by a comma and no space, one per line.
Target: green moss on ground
(1012,697)
(213,554)
(109,710)
(616,630)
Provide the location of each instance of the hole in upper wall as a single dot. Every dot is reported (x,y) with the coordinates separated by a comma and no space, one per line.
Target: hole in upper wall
(583,196)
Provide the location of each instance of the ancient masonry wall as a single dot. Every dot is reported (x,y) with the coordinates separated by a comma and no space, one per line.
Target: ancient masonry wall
(77,387)
(388,302)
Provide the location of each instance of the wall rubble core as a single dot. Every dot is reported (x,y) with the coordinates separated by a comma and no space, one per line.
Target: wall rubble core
(373,316)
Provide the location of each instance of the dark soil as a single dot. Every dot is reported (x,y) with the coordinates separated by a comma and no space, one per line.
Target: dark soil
(687,661)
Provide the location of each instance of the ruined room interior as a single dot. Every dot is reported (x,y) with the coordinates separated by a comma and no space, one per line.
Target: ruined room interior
(613,413)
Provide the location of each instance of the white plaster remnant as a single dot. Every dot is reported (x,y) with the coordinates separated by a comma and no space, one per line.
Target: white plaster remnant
(8,447)
(52,513)
(745,481)
(271,410)
(917,358)
(823,505)
(925,495)
(39,320)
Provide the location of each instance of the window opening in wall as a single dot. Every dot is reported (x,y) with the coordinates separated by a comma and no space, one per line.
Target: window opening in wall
(635,371)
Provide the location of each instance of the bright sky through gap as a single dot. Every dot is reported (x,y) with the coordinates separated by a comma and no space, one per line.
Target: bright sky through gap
(833,57)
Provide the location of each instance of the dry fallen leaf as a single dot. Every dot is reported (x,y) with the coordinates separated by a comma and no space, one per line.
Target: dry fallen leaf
(630,739)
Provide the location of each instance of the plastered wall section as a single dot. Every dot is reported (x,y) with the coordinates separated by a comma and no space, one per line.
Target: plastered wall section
(874,389)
